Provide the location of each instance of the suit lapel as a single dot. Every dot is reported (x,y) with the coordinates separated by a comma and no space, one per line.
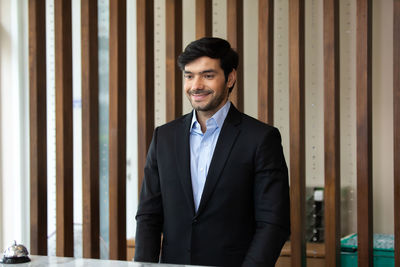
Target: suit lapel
(182,145)
(226,139)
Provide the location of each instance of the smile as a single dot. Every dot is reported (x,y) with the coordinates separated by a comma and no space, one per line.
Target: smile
(198,95)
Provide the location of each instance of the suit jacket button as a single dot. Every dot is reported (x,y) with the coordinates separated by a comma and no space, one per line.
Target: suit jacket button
(195,221)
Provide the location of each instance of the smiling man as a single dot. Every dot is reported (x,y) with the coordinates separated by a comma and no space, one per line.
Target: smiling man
(215,182)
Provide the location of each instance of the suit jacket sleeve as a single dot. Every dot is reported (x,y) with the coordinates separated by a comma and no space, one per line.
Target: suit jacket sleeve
(271,203)
(149,216)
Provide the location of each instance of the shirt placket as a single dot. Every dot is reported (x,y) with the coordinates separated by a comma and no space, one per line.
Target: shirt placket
(202,166)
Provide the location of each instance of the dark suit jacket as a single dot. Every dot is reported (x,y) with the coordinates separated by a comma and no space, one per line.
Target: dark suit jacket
(243,217)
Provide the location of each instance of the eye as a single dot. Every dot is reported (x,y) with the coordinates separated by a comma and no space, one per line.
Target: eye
(188,76)
(209,76)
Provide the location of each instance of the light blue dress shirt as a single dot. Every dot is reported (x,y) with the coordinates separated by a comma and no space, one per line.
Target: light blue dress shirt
(202,149)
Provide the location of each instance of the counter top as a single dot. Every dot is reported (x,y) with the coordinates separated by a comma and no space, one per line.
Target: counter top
(52,261)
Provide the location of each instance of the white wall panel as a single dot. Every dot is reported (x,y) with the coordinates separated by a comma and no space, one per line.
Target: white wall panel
(281,73)
(250,57)
(382,116)
(14,142)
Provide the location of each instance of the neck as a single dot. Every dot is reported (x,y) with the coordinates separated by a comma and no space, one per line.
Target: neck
(203,116)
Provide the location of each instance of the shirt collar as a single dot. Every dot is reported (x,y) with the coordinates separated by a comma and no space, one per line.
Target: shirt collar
(219,117)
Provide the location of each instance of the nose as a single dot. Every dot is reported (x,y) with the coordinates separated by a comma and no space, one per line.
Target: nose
(197,83)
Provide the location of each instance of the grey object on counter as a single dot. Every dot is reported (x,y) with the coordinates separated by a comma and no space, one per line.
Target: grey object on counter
(15,254)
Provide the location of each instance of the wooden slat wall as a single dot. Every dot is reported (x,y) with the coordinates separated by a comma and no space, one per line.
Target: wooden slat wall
(90,130)
(396,126)
(203,18)
(145,80)
(117,130)
(332,132)
(297,129)
(235,38)
(173,9)
(364,132)
(37,127)
(64,139)
(266,61)
(145,23)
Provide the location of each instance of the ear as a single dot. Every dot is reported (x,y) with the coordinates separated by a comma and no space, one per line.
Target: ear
(231,78)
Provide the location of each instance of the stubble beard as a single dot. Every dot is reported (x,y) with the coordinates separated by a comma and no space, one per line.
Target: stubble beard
(210,106)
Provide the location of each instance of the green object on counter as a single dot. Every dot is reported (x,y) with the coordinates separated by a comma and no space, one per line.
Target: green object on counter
(383,250)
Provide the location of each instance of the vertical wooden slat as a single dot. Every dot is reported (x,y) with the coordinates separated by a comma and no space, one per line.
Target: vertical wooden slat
(203,18)
(37,121)
(297,129)
(235,37)
(90,130)
(266,61)
(332,132)
(145,79)
(173,9)
(117,130)
(64,146)
(364,132)
(396,126)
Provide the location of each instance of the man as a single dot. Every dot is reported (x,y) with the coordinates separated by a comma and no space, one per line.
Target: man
(215,181)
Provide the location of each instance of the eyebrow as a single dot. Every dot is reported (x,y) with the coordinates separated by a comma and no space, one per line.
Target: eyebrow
(201,72)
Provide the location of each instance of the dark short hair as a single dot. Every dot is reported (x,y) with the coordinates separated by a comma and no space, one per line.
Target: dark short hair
(212,47)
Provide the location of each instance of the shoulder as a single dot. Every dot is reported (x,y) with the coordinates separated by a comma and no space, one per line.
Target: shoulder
(250,128)
(179,123)
(246,122)
(251,124)
(258,133)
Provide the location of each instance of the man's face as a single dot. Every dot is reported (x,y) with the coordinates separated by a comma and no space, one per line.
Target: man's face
(205,84)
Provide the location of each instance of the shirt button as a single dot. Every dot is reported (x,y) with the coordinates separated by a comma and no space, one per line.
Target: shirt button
(202,169)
